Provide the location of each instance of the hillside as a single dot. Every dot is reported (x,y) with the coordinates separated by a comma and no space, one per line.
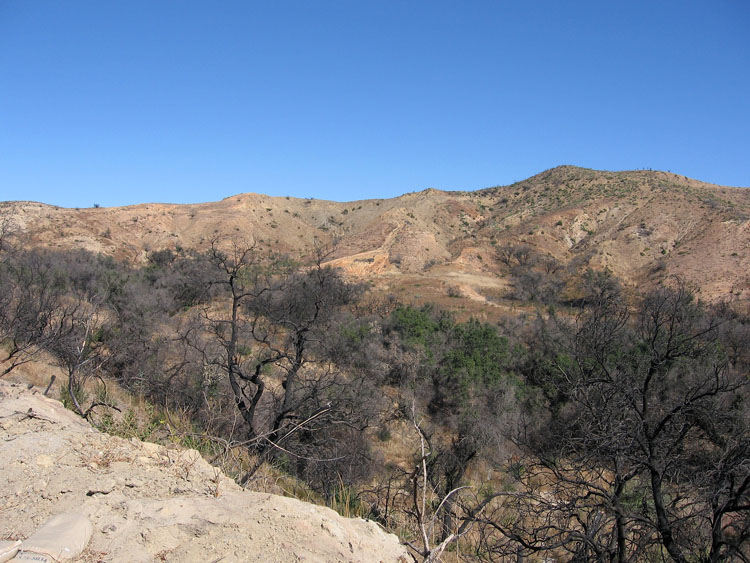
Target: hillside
(467,430)
(643,225)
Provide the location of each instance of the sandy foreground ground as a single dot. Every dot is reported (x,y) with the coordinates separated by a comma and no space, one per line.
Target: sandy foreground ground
(151,503)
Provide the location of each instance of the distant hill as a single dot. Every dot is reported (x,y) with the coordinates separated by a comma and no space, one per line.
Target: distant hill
(643,225)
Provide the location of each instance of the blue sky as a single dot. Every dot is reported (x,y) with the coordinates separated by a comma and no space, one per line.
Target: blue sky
(120,102)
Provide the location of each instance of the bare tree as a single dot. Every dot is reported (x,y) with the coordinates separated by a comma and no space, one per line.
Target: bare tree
(518,255)
(645,436)
(266,332)
(31,295)
(80,351)
(85,323)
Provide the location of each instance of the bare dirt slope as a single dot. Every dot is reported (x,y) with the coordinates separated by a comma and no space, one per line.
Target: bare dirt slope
(149,503)
(643,225)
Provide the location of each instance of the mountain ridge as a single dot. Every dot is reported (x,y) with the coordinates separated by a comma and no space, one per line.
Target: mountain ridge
(643,225)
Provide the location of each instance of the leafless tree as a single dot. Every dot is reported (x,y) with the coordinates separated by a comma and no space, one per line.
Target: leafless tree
(84,325)
(516,255)
(265,331)
(31,299)
(645,442)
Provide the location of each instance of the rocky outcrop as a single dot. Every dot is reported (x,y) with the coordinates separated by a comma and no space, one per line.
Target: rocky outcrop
(152,503)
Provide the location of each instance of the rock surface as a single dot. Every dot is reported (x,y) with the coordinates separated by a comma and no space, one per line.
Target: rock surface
(151,503)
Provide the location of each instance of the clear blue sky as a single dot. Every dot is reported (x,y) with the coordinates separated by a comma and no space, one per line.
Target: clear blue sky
(127,101)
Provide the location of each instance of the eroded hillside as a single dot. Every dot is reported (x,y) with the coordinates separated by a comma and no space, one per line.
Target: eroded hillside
(643,225)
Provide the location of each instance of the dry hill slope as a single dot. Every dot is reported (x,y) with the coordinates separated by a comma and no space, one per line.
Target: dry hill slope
(643,225)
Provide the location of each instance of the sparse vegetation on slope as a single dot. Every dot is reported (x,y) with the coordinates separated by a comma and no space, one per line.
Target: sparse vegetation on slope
(598,419)
(641,224)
